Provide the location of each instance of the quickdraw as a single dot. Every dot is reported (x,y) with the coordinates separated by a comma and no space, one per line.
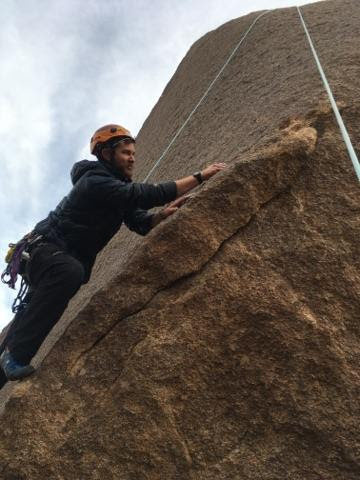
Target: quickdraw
(16,258)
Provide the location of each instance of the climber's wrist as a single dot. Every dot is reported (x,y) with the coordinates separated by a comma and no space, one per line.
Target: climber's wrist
(199,177)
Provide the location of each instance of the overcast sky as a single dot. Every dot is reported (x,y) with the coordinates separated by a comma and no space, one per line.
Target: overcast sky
(68,67)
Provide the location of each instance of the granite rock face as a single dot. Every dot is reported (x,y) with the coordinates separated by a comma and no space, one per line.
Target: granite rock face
(224,344)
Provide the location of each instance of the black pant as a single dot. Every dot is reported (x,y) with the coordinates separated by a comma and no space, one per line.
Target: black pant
(55,277)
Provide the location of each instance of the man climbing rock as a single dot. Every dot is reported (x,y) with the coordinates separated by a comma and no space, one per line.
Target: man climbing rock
(65,244)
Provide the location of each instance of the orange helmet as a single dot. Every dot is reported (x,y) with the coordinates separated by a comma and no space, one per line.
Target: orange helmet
(106,133)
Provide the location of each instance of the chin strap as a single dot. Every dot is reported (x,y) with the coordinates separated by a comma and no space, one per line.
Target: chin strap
(112,157)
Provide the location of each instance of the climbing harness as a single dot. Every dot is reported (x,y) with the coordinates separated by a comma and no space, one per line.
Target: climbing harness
(340,122)
(205,94)
(16,258)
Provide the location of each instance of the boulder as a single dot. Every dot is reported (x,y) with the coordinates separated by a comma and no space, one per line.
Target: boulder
(225,343)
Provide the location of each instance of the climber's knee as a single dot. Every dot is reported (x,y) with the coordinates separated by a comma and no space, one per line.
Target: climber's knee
(75,275)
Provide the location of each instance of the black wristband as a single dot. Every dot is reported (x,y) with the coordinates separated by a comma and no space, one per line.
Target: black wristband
(198,177)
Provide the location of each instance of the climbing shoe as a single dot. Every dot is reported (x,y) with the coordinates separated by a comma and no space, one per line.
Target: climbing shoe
(12,369)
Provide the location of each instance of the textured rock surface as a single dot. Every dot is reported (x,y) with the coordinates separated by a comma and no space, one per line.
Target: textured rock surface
(225,344)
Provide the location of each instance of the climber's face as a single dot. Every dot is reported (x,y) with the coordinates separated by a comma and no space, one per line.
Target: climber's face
(124,158)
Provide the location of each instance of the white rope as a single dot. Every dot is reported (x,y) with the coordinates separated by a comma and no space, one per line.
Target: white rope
(205,94)
(342,127)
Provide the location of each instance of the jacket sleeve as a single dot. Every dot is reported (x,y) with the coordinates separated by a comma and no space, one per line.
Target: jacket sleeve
(116,193)
(138,221)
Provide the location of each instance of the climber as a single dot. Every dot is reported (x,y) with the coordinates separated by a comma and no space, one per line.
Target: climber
(63,247)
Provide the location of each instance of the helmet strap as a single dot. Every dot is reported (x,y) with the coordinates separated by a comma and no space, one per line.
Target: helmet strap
(111,161)
(112,156)
(101,157)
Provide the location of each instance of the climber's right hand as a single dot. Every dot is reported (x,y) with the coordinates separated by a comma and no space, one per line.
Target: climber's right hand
(183,185)
(211,170)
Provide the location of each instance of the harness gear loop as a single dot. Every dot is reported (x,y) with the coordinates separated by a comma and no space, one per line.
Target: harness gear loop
(15,258)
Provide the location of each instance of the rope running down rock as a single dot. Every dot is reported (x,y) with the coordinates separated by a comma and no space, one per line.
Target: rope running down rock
(205,94)
(339,119)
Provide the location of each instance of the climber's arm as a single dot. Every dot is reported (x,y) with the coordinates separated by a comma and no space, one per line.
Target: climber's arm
(132,195)
(139,221)
(169,210)
(188,183)
(142,222)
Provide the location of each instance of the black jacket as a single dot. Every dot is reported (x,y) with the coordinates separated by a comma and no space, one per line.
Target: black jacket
(93,211)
